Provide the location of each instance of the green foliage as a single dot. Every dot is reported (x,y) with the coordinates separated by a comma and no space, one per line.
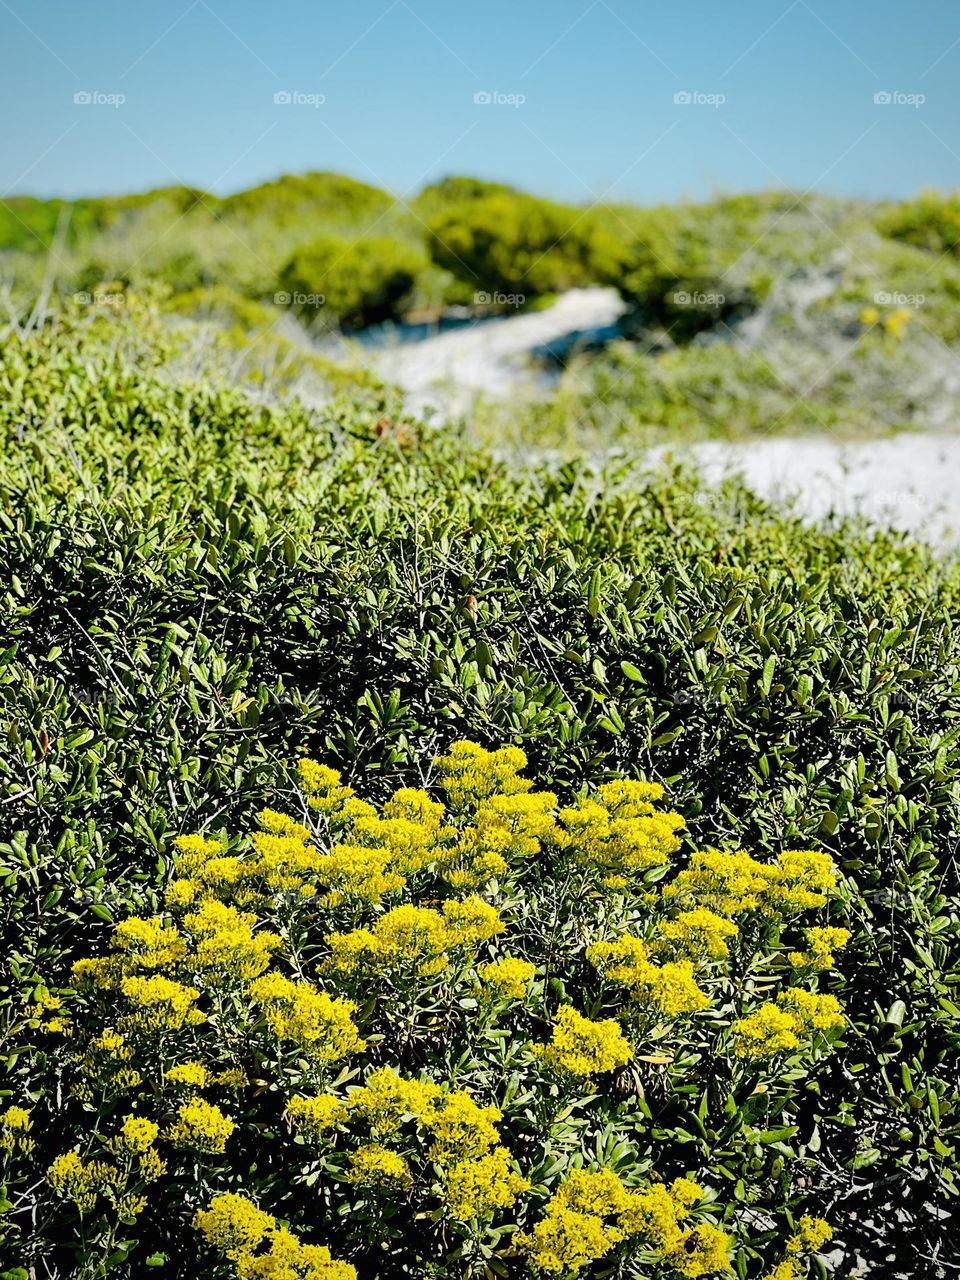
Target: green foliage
(200,585)
(351,283)
(931,222)
(309,196)
(515,244)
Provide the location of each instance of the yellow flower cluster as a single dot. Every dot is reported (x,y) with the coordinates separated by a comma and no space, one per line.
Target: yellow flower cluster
(619,832)
(314,1021)
(379,1167)
(787,1025)
(698,934)
(593,1212)
(411,940)
(82,1182)
(387,1099)
(811,1235)
(324,787)
(259,1249)
(463,1139)
(821,944)
(15,1126)
(478,1188)
(138,1162)
(582,1047)
(669,989)
(732,883)
(509,977)
(200,1126)
(471,774)
(162,1003)
(315,1116)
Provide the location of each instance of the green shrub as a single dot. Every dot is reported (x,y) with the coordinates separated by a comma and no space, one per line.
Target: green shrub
(387,1007)
(352,283)
(930,222)
(201,585)
(515,244)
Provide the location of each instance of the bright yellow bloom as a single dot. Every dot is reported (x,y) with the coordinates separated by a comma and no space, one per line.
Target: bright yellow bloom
(234,1226)
(388,1099)
(822,943)
(670,989)
(478,1188)
(136,1135)
(460,1128)
(191,1075)
(811,1236)
(314,1116)
(163,1003)
(200,1126)
(376,1166)
(17,1118)
(583,1047)
(297,1012)
(698,934)
(508,977)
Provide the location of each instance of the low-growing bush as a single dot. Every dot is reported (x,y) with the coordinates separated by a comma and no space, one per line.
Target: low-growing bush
(351,283)
(930,222)
(475,1030)
(201,583)
(515,244)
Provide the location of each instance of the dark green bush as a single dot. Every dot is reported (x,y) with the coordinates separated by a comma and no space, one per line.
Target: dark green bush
(515,244)
(200,587)
(351,283)
(930,222)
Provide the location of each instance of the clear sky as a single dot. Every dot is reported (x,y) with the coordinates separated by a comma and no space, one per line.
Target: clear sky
(582,94)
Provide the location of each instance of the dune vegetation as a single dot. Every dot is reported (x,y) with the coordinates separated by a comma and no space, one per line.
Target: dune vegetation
(423,856)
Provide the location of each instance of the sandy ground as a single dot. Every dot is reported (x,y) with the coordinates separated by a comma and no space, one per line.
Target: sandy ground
(909,481)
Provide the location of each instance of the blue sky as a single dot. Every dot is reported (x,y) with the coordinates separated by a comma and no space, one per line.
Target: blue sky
(583,94)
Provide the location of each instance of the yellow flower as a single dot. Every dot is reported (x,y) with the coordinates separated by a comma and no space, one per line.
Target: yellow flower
(311,1019)
(17,1118)
(461,1129)
(508,977)
(670,989)
(162,1002)
(388,1099)
(191,1075)
(701,1251)
(136,1135)
(234,1226)
(314,1116)
(822,943)
(376,1166)
(583,1047)
(699,934)
(200,1126)
(812,1235)
(477,1188)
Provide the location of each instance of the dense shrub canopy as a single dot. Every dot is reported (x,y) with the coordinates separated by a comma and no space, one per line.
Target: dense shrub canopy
(201,586)
(516,244)
(353,283)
